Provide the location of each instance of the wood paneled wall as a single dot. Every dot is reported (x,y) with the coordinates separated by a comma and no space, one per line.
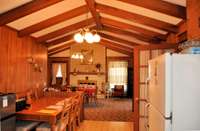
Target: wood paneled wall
(16,74)
(193,19)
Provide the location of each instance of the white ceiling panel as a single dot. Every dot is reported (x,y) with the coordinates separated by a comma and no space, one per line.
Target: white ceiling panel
(6,5)
(51,47)
(61,25)
(141,11)
(46,13)
(177,2)
(118,43)
(127,38)
(133,23)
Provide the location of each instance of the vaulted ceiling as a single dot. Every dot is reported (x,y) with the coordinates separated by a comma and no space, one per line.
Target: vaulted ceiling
(122,24)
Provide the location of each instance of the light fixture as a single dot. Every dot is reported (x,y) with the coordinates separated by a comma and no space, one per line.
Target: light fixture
(86,35)
(77,56)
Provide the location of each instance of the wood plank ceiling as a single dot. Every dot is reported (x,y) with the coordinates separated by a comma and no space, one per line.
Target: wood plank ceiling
(122,24)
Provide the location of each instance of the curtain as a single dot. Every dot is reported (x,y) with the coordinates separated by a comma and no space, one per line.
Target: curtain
(55,68)
(63,71)
(117,72)
(54,72)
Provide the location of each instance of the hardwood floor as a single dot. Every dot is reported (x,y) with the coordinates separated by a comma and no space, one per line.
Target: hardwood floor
(105,126)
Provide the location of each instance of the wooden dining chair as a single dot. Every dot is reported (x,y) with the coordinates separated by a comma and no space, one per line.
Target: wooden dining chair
(93,95)
(22,125)
(78,109)
(62,123)
(73,114)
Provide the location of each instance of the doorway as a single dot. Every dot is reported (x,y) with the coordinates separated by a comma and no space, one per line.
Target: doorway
(58,71)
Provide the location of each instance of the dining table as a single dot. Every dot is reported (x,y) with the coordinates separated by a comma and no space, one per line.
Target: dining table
(46,109)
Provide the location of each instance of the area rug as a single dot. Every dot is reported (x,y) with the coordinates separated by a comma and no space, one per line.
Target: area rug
(113,109)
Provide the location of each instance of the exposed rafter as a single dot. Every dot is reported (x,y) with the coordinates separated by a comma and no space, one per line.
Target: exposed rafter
(54,20)
(127,33)
(65,30)
(95,14)
(119,40)
(60,40)
(137,18)
(160,46)
(116,46)
(60,48)
(142,31)
(25,10)
(160,6)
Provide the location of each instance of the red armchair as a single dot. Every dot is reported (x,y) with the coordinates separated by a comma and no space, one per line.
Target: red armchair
(118,91)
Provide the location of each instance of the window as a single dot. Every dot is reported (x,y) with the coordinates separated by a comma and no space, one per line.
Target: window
(59,70)
(118,73)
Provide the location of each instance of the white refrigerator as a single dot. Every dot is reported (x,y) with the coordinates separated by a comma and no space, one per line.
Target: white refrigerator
(173,93)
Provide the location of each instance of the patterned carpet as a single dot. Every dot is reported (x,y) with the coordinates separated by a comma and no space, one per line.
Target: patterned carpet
(114,109)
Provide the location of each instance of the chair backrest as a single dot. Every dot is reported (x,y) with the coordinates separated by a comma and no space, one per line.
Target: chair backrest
(119,88)
(65,115)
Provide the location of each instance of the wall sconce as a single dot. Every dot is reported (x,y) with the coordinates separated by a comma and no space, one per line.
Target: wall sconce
(30,60)
(36,67)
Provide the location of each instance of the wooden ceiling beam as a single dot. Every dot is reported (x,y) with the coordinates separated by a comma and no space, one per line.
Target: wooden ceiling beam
(141,31)
(160,46)
(60,40)
(95,14)
(60,48)
(116,47)
(160,6)
(119,40)
(25,9)
(127,33)
(53,20)
(137,18)
(65,30)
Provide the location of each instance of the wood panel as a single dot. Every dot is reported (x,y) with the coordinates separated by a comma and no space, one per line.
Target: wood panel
(193,19)
(136,88)
(16,74)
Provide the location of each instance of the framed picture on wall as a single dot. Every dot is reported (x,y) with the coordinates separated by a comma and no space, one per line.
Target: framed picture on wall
(88,57)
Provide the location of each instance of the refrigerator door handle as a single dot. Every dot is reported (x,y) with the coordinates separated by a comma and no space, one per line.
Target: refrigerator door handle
(141,100)
(146,91)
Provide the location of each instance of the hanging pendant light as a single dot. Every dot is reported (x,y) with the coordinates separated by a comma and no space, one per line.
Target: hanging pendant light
(96,38)
(78,37)
(85,34)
